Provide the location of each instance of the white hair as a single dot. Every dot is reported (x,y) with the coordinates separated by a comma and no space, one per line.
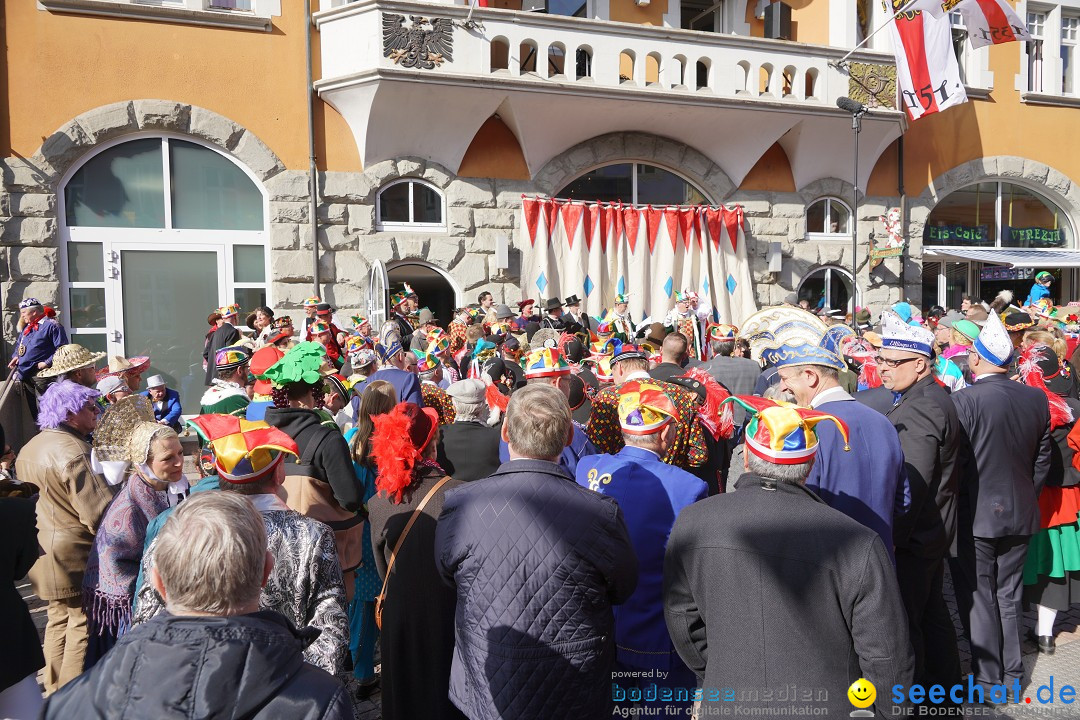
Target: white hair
(538,421)
(467,411)
(791,474)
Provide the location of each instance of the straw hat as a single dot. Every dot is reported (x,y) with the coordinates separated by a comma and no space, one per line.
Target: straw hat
(70,357)
(117,427)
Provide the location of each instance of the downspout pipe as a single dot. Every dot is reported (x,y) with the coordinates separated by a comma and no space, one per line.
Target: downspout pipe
(313,177)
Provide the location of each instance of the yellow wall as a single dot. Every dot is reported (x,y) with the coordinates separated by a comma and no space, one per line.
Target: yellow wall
(809,20)
(60,65)
(494,153)
(627,11)
(772,172)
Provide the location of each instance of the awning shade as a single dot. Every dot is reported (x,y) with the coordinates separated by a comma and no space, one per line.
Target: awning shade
(1013,257)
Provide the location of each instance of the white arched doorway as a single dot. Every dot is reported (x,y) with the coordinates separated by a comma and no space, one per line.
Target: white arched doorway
(828,286)
(158,230)
(434,287)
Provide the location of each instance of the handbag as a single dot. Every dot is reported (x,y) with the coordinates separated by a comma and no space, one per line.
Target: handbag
(381,597)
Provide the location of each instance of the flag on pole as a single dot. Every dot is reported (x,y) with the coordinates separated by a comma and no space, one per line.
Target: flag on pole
(927,75)
(988,22)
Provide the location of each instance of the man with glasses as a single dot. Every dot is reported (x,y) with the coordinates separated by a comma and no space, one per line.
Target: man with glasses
(926,421)
(863,478)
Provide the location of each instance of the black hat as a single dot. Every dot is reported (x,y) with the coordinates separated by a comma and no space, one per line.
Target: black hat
(323,308)
(553,304)
(511,343)
(1017,321)
(574,350)
(695,386)
(573,300)
(1055,375)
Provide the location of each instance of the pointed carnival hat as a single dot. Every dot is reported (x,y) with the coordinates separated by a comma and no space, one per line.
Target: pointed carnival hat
(899,335)
(993,343)
(438,340)
(244,451)
(426,362)
(644,408)
(783,433)
(546,362)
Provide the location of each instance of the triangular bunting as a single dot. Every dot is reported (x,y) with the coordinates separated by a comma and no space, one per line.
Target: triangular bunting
(652,225)
(552,217)
(530,208)
(686,224)
(631,218)
(571,216)
(589,215)
(732,220)
(714,218)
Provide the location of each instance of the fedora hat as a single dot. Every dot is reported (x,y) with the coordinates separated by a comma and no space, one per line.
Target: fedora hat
(70,357)
(553,304)
(572,301)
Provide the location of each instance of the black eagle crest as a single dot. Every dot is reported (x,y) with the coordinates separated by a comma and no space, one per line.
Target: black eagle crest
(426,43)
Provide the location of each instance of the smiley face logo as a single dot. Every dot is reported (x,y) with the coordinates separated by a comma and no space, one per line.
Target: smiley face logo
(862,693)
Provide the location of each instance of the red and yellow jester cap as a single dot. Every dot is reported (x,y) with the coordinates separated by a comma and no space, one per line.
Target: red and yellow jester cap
(783,433)
(644,408)
(245,451)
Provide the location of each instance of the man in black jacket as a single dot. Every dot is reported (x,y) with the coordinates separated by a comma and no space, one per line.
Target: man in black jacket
(469,448)
(769,587)
(925,419)
(1004,461)
(224,336)
(213,654)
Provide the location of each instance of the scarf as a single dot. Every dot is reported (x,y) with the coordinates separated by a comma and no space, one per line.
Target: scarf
(113,565)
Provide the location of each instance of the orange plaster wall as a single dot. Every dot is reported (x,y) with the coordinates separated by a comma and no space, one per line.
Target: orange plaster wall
(772,172)
(627,11)
(809,21)
(61,65)
(494,153)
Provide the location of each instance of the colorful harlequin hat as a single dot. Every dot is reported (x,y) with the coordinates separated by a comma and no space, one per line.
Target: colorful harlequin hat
(426,362)
(722,333)
(356,343)
(300,364)
(682,296)
(229,310)
(622,298)
(993,343)
(644,409)
(629,351)
(318,327)
(783,433)
(438,340)
(898,335)
(546,362)
(604,348)
(231,357)
(283,328)
(603,370)
(312,301)
(340,385)
(359,321)
(244,451)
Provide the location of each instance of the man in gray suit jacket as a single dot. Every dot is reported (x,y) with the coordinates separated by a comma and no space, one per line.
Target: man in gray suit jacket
(739,375)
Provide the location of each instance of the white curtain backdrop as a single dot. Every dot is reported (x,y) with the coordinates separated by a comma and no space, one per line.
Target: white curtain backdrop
(595,250)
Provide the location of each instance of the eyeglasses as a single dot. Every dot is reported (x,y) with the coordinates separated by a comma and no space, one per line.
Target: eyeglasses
(887,362)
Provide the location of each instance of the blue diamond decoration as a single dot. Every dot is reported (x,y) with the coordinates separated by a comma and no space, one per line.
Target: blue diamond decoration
(588,286)
(622,286)
(541,282)
(705,287)
(669,286)
(731,284)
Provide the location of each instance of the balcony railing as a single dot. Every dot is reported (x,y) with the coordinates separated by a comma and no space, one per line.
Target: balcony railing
(591,54)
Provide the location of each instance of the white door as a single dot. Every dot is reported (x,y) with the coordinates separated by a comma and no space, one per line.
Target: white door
(377,300)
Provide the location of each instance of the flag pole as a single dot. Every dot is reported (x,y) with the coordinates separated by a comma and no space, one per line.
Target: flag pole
(842,62)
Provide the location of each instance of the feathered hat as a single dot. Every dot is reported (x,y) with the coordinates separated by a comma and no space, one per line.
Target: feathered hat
(397,445)
(244,451)
(716,415)
(783,433)
(1041,368)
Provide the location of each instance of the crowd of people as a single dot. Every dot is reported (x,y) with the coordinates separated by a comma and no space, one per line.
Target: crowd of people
(536,515)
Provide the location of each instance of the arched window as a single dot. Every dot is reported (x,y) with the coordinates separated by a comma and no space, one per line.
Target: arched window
(826,288)
(635,184)
(156,232)
(828,217)
(410,204)
(997,214)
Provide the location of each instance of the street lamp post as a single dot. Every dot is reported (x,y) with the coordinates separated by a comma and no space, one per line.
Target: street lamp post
(857,110)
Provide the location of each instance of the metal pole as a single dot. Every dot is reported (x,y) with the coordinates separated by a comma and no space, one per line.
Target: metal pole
(313,178)
(856,125)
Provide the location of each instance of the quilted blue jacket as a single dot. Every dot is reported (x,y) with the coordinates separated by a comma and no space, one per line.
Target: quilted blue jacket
(538,562)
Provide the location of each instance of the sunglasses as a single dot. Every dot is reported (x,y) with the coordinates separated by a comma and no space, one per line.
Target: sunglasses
(894,363)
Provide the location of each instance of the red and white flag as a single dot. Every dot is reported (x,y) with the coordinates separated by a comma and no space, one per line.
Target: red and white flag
(927,75)
(988,22)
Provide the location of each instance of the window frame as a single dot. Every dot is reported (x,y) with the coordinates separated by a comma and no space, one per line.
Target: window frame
(634,183)
(1073,44)
(828,199)
(410,225)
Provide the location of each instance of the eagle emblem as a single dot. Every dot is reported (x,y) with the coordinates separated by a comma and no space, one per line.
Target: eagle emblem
(426,43)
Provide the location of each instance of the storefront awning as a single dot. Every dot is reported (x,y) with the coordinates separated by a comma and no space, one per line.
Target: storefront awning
(1013,257)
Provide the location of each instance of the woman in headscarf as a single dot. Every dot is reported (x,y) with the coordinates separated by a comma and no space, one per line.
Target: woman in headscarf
(127,434)
(418,607)
(1052,569)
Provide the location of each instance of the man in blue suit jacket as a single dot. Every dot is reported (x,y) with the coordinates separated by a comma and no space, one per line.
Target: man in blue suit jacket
(166,402)
(650,494)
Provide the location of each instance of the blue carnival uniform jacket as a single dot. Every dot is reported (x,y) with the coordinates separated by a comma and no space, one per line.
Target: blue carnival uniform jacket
(650,494)
(170,407)
(867,483)
(38,345)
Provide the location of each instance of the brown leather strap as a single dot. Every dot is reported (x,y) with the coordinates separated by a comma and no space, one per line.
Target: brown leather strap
(408,526)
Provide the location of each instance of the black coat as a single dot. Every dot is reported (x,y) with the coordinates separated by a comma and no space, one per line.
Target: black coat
(1005,455)
(879,398)
(331,460)
(245,666)
(225,336)
(1062,471)
(769,587)
(929,433)
(469,450)
(665,371)
(417,638)
(18,552)
(538,561)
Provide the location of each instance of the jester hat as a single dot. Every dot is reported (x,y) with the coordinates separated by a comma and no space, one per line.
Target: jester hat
(782,433)
(312,301)
(546,362)
(426,362)
(244,451)
(721,333)
(438,340)
(319,327)
(644,408)
(359,321)
(229,310)
(231,357)
(622,298)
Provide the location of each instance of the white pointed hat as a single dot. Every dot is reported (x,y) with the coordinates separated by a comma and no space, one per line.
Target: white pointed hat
(898,335)
(993,343)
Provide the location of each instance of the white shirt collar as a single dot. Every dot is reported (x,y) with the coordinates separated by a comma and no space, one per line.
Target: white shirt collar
(638,375)
(267,503)
(833,394)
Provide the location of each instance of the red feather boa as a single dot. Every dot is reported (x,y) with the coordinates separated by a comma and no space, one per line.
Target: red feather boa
(394,454)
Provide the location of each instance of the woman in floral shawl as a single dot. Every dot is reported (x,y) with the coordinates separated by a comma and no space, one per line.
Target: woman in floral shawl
(128,434)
